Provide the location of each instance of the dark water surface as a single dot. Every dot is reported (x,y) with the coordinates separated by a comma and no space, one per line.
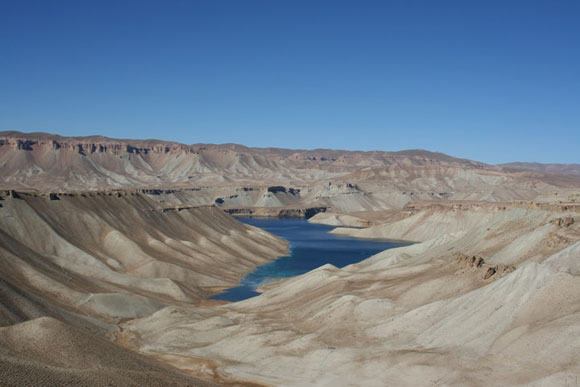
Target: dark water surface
(311,246)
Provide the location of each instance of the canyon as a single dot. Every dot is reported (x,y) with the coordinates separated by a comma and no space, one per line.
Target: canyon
(111,249)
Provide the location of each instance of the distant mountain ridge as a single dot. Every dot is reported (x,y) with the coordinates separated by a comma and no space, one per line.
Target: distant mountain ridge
(235,176)
(563,169)
(39,138)
(27,158)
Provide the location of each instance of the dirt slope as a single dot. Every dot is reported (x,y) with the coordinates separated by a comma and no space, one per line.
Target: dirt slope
(47,352)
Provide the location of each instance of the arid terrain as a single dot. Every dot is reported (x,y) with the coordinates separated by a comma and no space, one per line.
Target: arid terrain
(110,249)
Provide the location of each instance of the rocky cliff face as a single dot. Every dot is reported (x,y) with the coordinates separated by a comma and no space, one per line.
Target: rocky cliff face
(85,147)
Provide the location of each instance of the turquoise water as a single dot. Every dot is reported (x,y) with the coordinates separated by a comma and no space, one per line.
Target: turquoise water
(311,246)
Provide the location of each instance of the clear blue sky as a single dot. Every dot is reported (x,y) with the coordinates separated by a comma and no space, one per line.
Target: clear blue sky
(493,81)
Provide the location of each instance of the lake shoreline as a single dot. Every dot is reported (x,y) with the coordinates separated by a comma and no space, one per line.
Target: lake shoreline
(310,246)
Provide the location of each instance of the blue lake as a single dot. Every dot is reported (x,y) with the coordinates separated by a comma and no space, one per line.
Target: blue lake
(311,246)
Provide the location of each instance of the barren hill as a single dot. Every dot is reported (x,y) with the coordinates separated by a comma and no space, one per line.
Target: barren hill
(117,255)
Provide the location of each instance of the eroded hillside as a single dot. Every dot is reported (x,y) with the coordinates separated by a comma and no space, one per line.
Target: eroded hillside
(489,297)
(119,255)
